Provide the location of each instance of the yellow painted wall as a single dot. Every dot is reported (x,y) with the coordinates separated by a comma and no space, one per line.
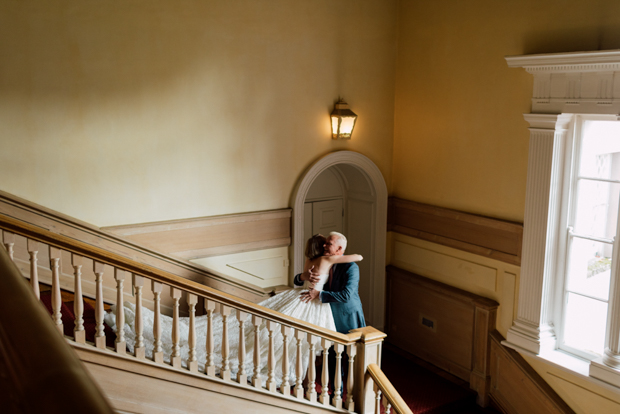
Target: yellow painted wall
(460,138)
(129,111)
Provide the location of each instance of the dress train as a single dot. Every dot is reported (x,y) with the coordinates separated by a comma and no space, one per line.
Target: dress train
(287,302)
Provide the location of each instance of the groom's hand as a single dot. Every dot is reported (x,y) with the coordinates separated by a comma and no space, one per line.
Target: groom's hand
(310,275)
(309,295)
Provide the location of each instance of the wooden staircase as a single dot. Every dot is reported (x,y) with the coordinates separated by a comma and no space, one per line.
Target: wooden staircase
(134,383)
(425,388)
(132,386)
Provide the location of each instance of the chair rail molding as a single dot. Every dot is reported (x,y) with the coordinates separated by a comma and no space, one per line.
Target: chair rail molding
(484,236)
(378,222)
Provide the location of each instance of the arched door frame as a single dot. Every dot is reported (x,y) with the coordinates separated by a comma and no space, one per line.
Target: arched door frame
(378,221)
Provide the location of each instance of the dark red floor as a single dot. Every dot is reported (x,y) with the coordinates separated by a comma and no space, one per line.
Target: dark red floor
(426,389)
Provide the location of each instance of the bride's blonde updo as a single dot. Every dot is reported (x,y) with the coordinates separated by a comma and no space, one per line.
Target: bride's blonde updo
(314,246)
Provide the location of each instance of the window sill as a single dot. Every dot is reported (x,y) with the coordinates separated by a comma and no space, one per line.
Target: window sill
(605,377)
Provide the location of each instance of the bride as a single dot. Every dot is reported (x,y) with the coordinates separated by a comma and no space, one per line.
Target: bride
(288,303)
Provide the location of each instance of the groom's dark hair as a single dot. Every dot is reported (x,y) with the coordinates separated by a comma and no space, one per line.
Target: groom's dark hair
(314,246)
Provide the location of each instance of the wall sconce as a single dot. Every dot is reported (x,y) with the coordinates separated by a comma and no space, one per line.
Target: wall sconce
(343,121)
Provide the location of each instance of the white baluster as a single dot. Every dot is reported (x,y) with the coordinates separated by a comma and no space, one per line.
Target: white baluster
(285,387)
(242,377)
(158,352)
(99,311)
(299,389)
(210,364)
(121,348)
(192,361)
(256,379)
(377,399)
(8,240)
(140,350)
(56,297)
(311,390)
(387,406)
(271,359)
(337,400)
(33,249)
(225,370)
(175,358)
(352,351)
(79,333)
(325,374)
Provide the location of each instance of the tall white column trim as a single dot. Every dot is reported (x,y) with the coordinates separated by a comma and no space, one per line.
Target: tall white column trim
(533,328)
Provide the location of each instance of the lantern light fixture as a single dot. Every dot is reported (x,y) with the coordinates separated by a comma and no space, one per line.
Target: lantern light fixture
(343,121)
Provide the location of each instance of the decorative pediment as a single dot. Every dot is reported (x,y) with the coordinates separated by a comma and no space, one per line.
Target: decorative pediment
(578,82)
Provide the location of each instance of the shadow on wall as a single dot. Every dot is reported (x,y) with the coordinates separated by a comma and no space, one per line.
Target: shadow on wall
(118,49)
(221,57)
(573,40)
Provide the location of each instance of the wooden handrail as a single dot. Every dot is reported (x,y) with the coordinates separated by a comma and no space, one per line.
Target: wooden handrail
(46,376)
(387,389)
(83,249)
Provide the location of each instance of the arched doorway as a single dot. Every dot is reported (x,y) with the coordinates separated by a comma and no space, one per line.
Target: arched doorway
(364,200)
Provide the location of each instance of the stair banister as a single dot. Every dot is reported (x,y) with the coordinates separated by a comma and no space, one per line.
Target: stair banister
(41,372)
(365,343)
(368,353)
(12,225)
(387,390)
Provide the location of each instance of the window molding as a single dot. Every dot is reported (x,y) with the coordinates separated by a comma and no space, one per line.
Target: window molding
(565,84)
(533,328)
(579,82)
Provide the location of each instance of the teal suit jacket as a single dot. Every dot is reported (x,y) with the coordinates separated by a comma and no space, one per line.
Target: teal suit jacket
(343,297)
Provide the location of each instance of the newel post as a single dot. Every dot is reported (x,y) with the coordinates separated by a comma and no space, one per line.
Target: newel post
(369,349)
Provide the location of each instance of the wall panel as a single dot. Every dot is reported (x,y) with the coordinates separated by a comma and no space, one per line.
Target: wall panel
(497,239)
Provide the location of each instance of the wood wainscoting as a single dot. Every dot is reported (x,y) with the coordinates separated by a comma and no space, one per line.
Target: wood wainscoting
(485,236)
(443,325)
(62,224)
(515,386)
(212,236)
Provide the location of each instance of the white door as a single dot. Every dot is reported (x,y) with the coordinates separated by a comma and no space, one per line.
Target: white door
(327,216)
(323,217)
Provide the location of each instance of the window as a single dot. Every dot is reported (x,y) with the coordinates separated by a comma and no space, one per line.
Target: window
(590,216)
(568,301)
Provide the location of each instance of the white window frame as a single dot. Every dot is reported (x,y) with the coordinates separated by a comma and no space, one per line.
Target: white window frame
(572,158)
(564,85)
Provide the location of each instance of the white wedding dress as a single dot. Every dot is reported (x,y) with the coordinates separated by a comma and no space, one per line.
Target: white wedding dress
(288,303)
